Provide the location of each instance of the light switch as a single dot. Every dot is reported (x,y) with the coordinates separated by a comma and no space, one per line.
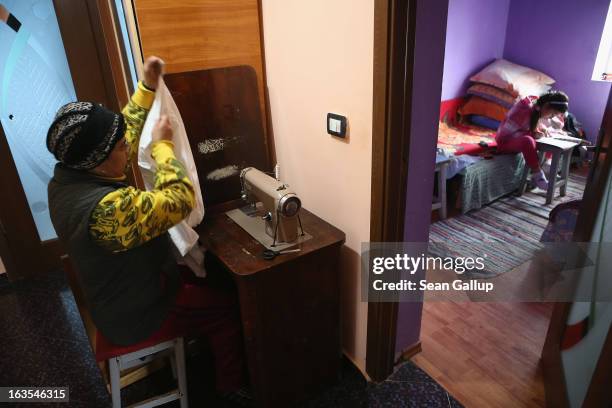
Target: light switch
(336,125)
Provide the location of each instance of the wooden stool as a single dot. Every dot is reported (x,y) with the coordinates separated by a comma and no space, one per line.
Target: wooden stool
(439,201)
(561,151)
(144,354)
(125,357)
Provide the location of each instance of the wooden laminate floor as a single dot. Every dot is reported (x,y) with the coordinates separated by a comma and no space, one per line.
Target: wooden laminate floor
(486,354)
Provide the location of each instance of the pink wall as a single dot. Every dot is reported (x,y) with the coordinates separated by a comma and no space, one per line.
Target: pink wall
(319,59)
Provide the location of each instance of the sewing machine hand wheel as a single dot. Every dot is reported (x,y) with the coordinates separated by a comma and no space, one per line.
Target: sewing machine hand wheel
(269,254)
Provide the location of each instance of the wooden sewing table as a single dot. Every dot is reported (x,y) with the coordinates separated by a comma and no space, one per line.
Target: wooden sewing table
(289,307)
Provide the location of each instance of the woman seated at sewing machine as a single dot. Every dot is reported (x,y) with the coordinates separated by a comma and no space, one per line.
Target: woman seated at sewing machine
(117,235)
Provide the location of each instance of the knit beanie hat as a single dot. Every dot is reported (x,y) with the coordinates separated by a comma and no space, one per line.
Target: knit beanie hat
(83,134)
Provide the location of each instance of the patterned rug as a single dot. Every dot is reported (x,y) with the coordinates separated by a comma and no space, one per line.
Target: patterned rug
(507,230)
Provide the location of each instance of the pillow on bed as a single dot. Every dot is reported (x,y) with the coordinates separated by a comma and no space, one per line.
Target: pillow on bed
(484,122)
(516,79)
(482,107)
(493,94)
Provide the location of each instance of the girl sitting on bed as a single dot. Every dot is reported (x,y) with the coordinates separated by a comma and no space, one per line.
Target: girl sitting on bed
(529,119)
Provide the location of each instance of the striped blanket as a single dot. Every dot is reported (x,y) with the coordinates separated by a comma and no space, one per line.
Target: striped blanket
(487,180)
(510,228)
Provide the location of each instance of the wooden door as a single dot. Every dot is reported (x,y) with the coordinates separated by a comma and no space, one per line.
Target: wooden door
(593,198)
(55,52)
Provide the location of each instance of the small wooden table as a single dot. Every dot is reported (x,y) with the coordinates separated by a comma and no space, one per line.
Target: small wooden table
(289,307)
(439,201)
(561,150)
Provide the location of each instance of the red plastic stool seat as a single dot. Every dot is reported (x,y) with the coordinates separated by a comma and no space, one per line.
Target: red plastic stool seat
(105,349)
(160,344)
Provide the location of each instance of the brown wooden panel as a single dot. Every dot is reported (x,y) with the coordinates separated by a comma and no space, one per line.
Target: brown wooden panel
(80,26)
(108,34)
(394,38)
(192,35)
(221,104)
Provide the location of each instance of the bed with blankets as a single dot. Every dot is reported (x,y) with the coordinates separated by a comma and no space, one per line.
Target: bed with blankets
(467,121)
(482,176)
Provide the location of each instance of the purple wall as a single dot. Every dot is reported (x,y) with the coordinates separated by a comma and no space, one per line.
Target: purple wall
(427,80)
(476,34)
(569,56)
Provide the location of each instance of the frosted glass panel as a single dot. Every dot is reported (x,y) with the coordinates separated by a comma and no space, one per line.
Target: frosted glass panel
(34,82)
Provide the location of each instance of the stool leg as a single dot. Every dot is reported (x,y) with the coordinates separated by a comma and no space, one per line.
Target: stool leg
(173,365)
(567,159)
(179,354)
(523,183)
(115,374)
(552,177)
(541,157)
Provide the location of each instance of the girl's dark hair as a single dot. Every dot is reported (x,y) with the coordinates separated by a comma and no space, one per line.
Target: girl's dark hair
(557,100)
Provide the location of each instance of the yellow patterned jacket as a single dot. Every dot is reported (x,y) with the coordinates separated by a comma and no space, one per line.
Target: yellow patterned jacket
(128,217)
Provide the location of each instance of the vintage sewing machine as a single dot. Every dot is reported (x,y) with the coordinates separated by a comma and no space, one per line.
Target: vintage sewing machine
(272,213)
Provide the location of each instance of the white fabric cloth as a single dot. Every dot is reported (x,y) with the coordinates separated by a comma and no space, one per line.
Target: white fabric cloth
(183,236)
(551,127)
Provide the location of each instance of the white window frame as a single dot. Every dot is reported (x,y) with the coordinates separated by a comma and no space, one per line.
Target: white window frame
(603,64)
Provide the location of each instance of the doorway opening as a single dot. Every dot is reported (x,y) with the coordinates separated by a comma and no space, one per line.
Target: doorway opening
(497,63)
